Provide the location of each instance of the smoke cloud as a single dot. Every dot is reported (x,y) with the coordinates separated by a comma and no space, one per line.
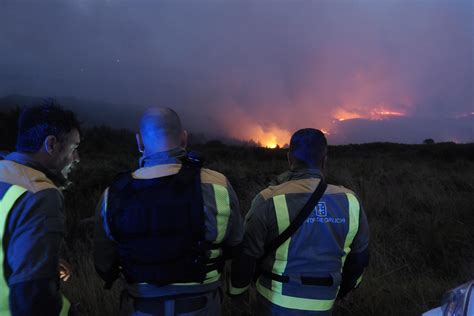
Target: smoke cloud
(253,69)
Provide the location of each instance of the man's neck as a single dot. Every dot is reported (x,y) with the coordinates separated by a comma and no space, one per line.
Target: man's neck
(163,157)
(38,158)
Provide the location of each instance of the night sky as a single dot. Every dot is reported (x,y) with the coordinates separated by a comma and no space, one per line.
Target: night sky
(362,71)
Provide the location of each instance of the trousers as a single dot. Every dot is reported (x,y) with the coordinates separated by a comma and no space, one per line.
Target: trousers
(264,307)
(196,304)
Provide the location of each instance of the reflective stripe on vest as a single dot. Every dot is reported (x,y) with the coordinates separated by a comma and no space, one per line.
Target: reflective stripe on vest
(274,294)
(281,255)
(6,204)
(222,200)
(223,211)
(354,212)
(66,307)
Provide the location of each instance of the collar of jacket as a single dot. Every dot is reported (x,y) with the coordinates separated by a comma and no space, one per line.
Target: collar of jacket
(305,174)
(297,174)
(162,157)
(58,179)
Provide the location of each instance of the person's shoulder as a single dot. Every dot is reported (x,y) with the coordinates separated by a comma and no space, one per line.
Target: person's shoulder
(301,186)
(26,177)
(213,177)
(46,204)
(345,193)
(338,189)
(306,185)
(49,198)
(274,190)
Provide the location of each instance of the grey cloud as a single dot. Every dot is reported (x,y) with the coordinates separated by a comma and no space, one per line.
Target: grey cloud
(282,64)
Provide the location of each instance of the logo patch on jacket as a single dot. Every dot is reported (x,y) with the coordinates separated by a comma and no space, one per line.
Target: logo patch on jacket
(321,216)
(321,209)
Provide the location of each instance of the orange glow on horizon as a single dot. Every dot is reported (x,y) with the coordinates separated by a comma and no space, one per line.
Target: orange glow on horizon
(270,137)
(325,131)
(378,113)
(244,127)
(269,141)
(342,115)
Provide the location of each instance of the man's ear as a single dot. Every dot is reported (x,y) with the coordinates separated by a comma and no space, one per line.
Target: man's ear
(50,144)
(141,147)
(290,158)
(325,161)
(184,139)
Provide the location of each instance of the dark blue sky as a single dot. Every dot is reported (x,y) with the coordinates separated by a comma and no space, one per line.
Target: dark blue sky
(361,70)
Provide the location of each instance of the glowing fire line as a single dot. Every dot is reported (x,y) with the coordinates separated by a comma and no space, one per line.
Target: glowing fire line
(375,114)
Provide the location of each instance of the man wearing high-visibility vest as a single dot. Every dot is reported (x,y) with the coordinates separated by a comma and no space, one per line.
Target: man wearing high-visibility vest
(166,229)
(324,258)
(32,219)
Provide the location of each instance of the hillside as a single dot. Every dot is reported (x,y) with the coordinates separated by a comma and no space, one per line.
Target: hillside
(418,200)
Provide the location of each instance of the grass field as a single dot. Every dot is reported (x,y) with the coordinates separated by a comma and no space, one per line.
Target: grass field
(418,199)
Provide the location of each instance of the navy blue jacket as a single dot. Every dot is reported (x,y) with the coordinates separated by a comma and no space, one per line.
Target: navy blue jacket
(33,236)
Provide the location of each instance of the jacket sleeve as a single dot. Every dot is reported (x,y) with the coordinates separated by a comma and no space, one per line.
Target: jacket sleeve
(106,258)
(235,228)
(34,236)
(358,259)
(35,298)
(253,244)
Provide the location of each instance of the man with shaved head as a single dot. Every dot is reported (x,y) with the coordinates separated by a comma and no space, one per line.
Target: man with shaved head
(160,128)
(167,228)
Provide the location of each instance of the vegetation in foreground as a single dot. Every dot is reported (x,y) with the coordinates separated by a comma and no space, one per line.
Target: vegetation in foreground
(418,198)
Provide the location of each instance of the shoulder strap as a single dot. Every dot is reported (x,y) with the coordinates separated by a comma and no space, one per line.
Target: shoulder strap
(298,221)
(191,170)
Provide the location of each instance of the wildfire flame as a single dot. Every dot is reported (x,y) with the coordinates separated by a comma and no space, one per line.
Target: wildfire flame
(325,131)
(269,137)
(378,113)
(342,115)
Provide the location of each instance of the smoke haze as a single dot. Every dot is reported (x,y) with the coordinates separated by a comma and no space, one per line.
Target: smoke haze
(359,70)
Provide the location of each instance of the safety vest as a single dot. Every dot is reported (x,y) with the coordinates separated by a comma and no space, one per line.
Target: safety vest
(306,270)
(11,195)
(159,228)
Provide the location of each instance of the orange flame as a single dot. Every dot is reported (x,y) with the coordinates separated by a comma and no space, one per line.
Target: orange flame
(266,137)
(270,138)
(325,131)
(378,113)
(342,115)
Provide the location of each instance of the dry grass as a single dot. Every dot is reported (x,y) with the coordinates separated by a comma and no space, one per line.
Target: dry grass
(418,199)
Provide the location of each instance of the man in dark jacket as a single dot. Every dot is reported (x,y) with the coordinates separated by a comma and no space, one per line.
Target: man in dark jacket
(32,215)
(167,227)
(323,259)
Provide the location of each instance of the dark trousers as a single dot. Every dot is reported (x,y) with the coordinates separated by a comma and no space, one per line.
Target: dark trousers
(264,307)
(199,304)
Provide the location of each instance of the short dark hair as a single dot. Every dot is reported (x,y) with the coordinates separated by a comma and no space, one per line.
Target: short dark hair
(38,122)
(309,147)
